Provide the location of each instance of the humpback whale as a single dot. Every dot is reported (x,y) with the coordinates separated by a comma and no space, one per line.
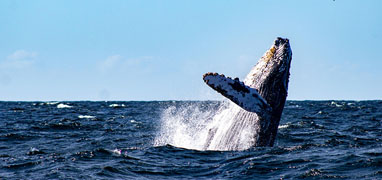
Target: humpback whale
(260,98)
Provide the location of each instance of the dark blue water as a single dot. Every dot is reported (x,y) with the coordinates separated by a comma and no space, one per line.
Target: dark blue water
(115,140)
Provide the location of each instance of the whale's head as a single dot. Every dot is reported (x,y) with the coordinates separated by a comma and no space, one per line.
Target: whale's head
(270,76)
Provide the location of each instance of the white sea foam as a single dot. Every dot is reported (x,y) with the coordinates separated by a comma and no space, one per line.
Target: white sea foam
(283,126)
(292,106)
(33,149)
(116,152)
(336,104)
(116,105)
(63,106)
(86,117)
(52,103)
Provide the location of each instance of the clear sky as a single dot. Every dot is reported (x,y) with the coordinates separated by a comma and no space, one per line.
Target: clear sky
(159,50)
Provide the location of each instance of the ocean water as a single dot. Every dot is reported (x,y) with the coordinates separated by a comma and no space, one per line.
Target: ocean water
(161,140)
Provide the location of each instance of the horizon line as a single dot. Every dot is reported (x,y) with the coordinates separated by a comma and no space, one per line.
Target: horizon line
(190,100)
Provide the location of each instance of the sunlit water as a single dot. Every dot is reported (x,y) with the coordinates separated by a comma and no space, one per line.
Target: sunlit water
(163,140)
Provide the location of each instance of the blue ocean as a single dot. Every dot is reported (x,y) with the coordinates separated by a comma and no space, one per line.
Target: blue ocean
(159,140)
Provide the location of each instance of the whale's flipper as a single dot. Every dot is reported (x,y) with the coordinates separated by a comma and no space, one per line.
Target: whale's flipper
(246,97)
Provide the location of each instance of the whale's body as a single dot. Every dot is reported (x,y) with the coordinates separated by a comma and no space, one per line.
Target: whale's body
(260,99)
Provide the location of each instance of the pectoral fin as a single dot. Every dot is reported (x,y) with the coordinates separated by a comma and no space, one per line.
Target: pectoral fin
(246,97)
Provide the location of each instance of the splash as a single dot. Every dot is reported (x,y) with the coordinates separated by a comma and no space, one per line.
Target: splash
(185,126)
(190,127)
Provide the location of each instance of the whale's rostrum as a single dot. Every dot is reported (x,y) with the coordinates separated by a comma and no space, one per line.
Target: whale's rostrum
(261,98)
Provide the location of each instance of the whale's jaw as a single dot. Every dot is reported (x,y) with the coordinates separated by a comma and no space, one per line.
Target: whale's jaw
(263,92)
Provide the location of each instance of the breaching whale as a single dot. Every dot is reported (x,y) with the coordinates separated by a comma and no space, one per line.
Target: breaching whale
(261,98)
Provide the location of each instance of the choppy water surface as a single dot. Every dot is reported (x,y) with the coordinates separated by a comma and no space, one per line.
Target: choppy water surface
(158,140)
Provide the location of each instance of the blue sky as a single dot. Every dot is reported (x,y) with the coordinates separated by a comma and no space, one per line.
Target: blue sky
(159,50)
